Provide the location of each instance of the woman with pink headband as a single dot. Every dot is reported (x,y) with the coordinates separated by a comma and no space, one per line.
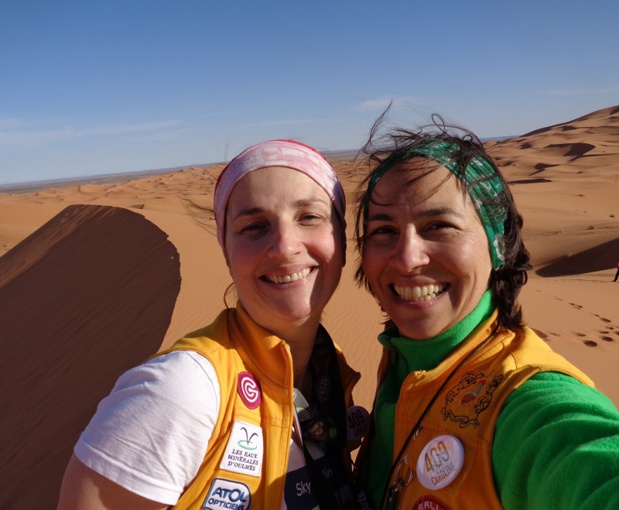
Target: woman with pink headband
(251,411)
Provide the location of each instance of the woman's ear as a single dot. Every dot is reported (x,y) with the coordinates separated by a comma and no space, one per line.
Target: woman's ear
(227,261)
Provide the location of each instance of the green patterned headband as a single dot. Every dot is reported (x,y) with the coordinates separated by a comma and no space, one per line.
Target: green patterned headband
(484,186)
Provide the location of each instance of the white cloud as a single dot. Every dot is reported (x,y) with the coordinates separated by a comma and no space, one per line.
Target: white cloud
(579,92)
(279,122)
(12,124)
(380,103)
(375,104)
(13,132)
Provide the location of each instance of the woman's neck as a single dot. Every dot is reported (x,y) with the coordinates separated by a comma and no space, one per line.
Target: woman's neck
(427,354)
(300,338)
(300,361)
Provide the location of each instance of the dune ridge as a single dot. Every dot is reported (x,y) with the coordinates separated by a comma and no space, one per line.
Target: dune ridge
(84,298)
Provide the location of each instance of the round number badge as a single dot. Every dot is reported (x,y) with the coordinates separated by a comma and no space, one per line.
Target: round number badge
(440,462)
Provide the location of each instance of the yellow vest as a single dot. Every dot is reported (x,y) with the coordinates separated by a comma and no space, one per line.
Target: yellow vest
(247,456)
(466,407)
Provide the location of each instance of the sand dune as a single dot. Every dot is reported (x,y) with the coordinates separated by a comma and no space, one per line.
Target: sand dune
(87,296)
(97,289)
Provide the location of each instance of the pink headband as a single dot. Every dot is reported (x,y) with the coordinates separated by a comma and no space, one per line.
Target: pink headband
(284,153)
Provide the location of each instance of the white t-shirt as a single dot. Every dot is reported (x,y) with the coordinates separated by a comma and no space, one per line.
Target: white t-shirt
(151,433)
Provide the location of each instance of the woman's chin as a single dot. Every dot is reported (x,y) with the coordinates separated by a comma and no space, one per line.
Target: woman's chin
(419,328)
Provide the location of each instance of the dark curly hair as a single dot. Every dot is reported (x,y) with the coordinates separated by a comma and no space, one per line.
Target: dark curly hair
(465,151)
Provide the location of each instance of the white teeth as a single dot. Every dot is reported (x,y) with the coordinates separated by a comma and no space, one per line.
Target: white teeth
(415,294)
(289,277)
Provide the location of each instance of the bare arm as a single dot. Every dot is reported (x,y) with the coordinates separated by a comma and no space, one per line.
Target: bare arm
(85,489)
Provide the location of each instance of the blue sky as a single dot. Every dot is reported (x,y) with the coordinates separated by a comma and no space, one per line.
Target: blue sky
(91,87)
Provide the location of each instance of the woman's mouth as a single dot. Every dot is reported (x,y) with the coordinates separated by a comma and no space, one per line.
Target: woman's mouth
(417,294)
(288,278)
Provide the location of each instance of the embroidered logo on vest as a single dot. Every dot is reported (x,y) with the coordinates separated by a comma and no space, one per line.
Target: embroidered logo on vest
(470,397)
(227,494)
(245,450)
(249,390)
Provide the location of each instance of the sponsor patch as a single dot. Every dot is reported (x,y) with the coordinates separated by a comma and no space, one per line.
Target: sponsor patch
(429,503)
(245,450)
(249,390)
(227,494)
(440,462)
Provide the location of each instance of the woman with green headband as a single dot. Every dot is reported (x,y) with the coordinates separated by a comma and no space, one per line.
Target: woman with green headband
(473,410)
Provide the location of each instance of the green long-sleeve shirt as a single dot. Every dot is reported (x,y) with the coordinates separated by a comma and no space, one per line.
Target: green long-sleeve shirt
(556,443)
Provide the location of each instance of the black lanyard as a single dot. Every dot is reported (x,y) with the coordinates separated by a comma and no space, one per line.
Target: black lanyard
(324,420)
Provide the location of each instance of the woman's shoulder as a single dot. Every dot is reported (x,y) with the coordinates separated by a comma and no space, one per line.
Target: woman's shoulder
(161,413)
(555,420)
(175,371)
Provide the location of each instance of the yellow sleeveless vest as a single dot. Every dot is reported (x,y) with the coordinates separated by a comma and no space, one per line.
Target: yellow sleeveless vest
(465,408)
(247,456)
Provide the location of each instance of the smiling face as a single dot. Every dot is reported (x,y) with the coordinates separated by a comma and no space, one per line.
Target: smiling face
(283,248)
(425,253)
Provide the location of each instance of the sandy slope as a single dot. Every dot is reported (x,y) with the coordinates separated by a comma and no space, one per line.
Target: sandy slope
(85,298)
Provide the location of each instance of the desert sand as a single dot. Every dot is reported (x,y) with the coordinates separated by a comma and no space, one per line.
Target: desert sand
(99,289)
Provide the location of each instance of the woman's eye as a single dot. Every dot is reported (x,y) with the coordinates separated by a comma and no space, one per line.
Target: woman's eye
(437,226)
(253,229)
(440,225)
(383,230)
(310,218)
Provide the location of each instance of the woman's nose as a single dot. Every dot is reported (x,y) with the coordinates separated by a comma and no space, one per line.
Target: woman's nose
(285,242)
(410,253)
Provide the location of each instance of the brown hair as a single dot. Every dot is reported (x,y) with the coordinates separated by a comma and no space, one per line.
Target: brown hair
(383,151)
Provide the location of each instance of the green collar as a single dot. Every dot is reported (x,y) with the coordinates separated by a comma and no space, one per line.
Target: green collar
(409,355)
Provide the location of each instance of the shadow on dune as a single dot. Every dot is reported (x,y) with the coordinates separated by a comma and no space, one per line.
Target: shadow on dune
(574,150)
(528,181)
(598,258)
(87,296)
(540,167)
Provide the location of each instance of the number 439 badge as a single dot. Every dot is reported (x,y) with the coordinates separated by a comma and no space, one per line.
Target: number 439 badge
(440,462)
